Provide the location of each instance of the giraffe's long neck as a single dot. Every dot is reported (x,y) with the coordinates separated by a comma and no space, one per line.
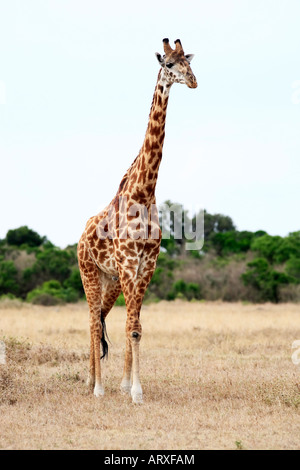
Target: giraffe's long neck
(148,161)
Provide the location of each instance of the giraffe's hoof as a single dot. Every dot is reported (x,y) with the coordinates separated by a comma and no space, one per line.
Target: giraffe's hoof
(137,399)
(125,387)
(98,391)
(137,395)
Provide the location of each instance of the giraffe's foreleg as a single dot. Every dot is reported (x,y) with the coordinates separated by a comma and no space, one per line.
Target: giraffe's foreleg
(135,275)
(126,379)
(136,388)
(131,376)
(145,273)
(131,373)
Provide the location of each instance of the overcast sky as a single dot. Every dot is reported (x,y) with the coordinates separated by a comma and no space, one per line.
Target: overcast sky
(76,84)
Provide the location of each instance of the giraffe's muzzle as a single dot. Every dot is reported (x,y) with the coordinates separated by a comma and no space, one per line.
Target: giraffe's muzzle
(192,83)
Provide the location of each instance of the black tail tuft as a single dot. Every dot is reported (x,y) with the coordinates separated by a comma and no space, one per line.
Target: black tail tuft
(103,339)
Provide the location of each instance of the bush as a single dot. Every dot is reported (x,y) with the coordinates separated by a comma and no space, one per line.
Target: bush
(45,299)
(226,243)
(50,275)
(216,223)
(54,263)
(24,236)
(267,246)
(264,279)
(288,248)
(162,278)
(8,278)
(182,289)
(52,293)
(74,281)
(292,269)
(277,249)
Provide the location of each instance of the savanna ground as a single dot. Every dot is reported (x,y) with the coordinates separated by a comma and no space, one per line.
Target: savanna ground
(214,375)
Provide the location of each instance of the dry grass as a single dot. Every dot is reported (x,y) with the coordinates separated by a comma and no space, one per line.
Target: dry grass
(215,376)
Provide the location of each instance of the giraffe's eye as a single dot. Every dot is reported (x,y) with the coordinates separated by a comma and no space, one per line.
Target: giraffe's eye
(169,65)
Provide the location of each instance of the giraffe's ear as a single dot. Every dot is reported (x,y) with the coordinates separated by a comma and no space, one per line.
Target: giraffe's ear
(160,59)
(189,57)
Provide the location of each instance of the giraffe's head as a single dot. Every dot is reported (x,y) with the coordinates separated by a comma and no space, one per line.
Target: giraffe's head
(176,65)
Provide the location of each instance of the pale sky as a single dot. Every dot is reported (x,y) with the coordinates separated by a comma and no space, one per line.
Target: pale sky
(76,84)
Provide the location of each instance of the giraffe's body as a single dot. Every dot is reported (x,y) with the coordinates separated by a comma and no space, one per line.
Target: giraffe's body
(119,247)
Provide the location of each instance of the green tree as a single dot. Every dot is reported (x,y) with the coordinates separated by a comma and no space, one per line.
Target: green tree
(289,247)
(54,263)
(74,281)
(216,223)
(52,293)
(188,290)
(292,268)
(267,246)
(24,236)
(163,277)
(264,279)
(8,278)
(277,249)
(231,242)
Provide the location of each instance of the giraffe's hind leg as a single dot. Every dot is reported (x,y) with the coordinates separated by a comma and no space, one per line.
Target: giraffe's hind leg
(91,281)
(101,293)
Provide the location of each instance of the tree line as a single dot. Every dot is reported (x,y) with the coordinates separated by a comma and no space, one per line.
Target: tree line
(231,265)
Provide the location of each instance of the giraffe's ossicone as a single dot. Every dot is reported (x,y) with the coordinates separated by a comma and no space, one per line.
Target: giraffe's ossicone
(119,247)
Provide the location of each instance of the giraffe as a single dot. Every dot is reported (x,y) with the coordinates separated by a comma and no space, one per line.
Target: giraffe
(119,247)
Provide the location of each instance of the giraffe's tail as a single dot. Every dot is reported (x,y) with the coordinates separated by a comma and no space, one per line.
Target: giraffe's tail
(104,338)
